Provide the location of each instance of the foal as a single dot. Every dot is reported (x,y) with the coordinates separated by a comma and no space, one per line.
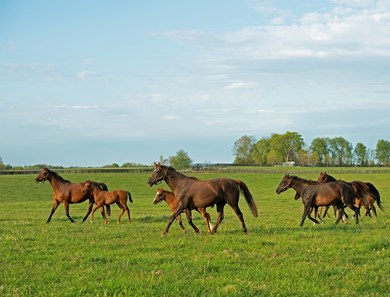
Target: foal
(102,198)
(171,200)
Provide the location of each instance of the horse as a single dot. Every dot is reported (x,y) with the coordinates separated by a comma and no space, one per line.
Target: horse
(193,193)
(371,194)
(102,197)
(335,193)
(170,199)
(66,192)
(299,185)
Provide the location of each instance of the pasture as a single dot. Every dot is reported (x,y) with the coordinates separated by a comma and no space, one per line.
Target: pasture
(275,258)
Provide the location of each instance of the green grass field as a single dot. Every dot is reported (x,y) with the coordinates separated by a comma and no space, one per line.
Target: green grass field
(275,258)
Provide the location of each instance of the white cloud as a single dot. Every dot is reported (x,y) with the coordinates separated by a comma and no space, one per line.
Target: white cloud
(86,74)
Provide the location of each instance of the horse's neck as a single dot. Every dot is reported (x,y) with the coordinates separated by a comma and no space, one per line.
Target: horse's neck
(57,184)
(174,179)
(299,186)
(170,198)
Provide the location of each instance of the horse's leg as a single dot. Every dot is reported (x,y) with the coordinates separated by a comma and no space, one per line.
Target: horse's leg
(306,212)
(177,211)
(122,211)
(315,214)
(89,210)
(102,211)
(240,216)
(206,217)
(189,219)
(127,209)
(220,207)
(178,219)
(53,209)
(66,205)
(93,213)
(340,208)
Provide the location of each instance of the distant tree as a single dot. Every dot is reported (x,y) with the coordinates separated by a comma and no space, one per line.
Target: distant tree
(242,149)
(181,160)
(320,146)
(287,145)
(274,158)
(2,166)
(341,151)
(383,152)
(361,154)
(261,150)
(163,161)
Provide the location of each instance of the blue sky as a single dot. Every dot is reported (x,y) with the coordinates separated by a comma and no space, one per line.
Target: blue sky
(90,83)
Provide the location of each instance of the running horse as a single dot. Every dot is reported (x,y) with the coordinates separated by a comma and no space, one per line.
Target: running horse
(371,193)
(170,199)
(66,192)
(298,184)
(103,198)
(192,193)
(335,193)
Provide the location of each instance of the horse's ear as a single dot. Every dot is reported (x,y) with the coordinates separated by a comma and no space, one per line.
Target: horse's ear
(287,175)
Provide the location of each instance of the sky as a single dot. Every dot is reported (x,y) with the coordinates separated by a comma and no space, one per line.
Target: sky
(96,82)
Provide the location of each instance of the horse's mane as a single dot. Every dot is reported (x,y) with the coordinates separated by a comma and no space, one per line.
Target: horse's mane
(57,176)
(300,179)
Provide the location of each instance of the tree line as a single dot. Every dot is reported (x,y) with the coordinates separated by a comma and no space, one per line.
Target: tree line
(290,148)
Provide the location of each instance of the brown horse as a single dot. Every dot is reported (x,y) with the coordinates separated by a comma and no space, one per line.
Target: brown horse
(299,185)
(170,199)
(335,193)
(66,192)
(193,193)
(371,194)
(102,197)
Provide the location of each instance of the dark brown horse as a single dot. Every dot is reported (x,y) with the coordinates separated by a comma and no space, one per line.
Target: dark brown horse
(170,199)
(299,185)
(193,193)
(102,198)
(371,194)
(335,193)
(66,192)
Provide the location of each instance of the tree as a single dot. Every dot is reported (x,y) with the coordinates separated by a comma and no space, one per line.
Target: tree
(320,146)
(341,151)
(261,150)
(163,161)
(287,145)
(361,154)
(383,152)
(2,166)
(181,160)
(242,149)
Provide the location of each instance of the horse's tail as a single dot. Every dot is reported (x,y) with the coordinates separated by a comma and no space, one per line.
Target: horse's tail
(375,194)
(248,197)
(129,196)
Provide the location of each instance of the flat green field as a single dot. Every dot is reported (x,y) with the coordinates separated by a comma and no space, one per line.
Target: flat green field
(275,258)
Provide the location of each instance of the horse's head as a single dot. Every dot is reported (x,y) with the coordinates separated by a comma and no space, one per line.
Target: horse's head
(88,185)
(324,177)
(43,176)
(284,184)
(158,175)
(160,196)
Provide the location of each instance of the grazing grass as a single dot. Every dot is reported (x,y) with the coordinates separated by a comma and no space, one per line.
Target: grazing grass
(276,258)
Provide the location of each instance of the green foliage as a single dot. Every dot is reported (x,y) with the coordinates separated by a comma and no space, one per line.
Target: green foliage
(242,150)
(276,258)
(383,152)
(181,160)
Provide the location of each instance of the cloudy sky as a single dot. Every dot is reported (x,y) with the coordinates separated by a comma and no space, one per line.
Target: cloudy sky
(93,82)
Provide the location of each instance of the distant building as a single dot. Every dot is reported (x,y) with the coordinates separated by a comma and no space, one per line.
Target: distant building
(288,164)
